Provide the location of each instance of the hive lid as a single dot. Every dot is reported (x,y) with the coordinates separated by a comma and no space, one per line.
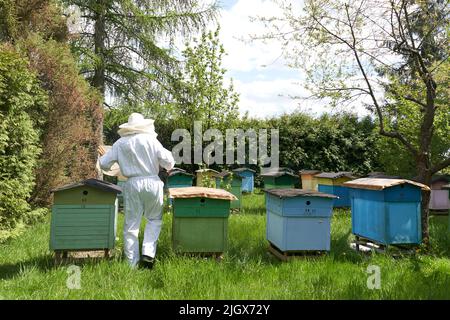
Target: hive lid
(381,184)
(276,172)
(440,178)
(291,193)
(243,169)
(207,170)
(176,171)
(200,192)
(114,171)
(309,171)
(95,183)
(336,175)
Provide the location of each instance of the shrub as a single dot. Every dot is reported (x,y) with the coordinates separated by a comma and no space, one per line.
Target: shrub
(21,102)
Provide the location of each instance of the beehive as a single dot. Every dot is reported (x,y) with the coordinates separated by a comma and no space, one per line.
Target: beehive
(387,211)
(84,216)
(278,178)
(439,196)
(308,179)
(226,178)
(206,175)
(200,219)
(248,179)
(298,220)
(179,178)
(332,183)
(447,187)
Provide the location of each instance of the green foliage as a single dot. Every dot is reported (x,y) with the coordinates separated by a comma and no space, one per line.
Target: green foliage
(21,103)
(204,95)
(340,142)
(72,123)
(118,48)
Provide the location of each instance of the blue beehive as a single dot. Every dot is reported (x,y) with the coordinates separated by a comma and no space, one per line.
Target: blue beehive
(298,220)
(386,211)
(248,178)
(332,183)
(178,178)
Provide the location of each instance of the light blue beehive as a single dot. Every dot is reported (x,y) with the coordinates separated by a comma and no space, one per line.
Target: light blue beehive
(298,220)
(332,183)
(248,178)
(387,211)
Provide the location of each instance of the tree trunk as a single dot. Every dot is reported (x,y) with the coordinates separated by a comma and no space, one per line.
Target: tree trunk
(424,176)
(98,80)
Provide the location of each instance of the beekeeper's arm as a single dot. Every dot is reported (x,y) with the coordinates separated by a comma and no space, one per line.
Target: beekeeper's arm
(165,157)
(108,159)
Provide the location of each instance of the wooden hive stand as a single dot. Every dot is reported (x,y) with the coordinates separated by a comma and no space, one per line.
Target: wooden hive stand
(368,246)
(290,255)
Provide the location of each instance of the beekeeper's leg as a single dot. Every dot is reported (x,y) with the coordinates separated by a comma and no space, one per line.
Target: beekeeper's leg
(134,209)
(153,205)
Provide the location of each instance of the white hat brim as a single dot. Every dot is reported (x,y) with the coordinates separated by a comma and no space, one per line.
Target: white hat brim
(140,124)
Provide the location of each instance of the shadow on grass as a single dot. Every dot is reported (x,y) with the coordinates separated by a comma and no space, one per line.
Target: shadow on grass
(42,263)
(47,263)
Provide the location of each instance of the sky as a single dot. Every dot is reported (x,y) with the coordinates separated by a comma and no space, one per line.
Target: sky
(259,71)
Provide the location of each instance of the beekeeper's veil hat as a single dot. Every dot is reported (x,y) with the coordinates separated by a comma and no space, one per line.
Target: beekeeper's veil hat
(137,124)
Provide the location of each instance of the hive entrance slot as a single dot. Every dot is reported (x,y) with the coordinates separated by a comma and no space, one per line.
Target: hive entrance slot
(202,200)
(85,192)
(308,203)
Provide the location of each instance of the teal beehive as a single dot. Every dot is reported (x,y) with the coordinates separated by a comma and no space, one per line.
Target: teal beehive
(234,183)
(386,211)
(299,220)
(278,178)
(179,178)
(248,178)
(84,216)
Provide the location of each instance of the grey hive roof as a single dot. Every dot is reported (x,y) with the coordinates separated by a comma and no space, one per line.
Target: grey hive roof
(95,183)
(243,169)
(309,171)
(224,174)
(176,171)
(336,175)
(291,193)
(277,172)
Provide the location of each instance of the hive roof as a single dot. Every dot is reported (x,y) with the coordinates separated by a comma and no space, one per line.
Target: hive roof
(381,184)
(200,192)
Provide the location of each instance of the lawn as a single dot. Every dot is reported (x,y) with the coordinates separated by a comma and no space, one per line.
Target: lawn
(247,271)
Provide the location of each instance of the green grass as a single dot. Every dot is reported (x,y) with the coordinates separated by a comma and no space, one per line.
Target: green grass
(247,271)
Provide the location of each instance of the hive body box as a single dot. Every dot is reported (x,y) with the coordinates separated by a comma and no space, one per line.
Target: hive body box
(179,178)
(248,179)
(236,187)
(332,183)
(84,216)
(278,178)
(447,187)
(309,180)
(206,174)
(387,211)
(439,196)
(200,222)
(298,220)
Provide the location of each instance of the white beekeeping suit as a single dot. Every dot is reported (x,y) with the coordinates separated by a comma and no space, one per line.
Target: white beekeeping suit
(140,155)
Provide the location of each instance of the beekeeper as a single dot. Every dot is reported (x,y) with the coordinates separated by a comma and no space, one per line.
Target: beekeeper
(140,156)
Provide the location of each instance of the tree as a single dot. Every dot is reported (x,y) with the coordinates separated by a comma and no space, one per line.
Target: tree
(119,43)
(204,96)
(375,51)
(69,126)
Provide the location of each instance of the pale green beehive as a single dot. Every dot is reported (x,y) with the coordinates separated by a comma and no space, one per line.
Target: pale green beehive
(84,216)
